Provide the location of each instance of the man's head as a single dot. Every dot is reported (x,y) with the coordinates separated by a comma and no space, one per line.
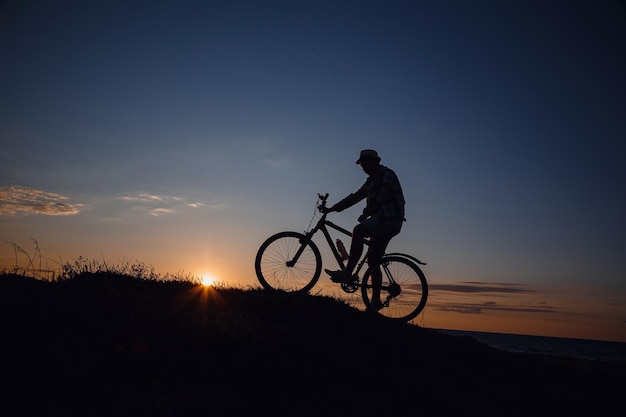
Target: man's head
(369,161)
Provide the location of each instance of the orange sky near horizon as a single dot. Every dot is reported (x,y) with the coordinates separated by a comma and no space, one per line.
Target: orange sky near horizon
(542,310)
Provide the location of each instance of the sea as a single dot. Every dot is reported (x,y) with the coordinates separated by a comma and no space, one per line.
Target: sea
(596,350)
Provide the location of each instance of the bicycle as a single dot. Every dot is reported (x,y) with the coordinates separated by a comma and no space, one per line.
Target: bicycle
(291,262)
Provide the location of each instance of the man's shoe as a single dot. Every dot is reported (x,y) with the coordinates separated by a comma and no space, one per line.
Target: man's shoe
(377,305)
(339,276)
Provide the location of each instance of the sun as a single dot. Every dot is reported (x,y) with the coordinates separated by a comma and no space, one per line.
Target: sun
(208,280)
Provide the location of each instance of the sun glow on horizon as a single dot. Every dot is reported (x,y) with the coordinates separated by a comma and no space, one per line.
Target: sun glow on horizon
(208,280)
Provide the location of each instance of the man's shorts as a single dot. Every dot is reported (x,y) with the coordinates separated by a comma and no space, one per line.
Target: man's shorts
(376,228)
(380,235)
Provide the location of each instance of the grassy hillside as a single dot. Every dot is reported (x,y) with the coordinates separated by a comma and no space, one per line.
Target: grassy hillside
(113,344)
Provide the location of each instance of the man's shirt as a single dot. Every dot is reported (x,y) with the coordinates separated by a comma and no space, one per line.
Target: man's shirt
(383,193)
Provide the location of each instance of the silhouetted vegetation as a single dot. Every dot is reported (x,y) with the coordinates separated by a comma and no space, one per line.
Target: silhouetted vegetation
(107,343)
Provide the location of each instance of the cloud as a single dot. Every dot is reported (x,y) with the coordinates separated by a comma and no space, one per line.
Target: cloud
(459,309)
(146,197)
(16,200)
(515,295)
(19,200)
(470,308)
(163,204)
(160,211)
(480,287)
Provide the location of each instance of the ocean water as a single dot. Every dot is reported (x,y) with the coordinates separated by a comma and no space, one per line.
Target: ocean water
(574,348)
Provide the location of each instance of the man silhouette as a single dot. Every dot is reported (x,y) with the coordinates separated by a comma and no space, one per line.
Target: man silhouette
(381,220)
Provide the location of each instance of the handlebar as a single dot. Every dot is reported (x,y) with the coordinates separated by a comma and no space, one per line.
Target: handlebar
(323,199)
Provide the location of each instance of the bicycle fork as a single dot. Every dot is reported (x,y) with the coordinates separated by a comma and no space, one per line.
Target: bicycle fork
(303,244)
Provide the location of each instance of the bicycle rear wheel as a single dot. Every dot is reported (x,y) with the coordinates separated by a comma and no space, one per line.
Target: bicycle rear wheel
(276,268)
(404,289)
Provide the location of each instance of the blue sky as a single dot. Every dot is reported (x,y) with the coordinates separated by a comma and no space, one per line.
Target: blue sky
(182,134)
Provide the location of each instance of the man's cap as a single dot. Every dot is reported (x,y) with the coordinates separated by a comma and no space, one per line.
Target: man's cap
(368,154)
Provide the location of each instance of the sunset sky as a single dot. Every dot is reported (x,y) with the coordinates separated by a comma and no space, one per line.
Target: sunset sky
(181,134)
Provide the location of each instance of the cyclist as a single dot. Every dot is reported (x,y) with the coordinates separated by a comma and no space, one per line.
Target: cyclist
(381,220)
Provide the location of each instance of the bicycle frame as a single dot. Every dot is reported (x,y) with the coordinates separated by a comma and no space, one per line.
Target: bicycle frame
(322,226)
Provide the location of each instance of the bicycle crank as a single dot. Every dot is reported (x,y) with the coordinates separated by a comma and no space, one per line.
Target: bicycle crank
(350,287)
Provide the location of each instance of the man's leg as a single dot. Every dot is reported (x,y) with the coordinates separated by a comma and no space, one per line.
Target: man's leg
(356,247)
(378,245)
(368,228)
(359,233)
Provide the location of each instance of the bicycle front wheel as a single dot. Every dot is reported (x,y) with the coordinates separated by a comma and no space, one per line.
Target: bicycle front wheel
(288,262)
(403,290)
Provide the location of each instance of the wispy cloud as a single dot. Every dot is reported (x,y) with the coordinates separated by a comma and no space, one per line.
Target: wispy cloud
(163,204)
(462,298)
(19,200)
(160,211)
(481,287)
(469,308)
(147,197)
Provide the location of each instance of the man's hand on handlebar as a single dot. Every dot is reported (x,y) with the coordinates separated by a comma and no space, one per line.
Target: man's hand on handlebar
(322,207)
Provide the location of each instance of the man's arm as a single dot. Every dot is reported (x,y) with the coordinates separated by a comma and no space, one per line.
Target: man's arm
(350,200)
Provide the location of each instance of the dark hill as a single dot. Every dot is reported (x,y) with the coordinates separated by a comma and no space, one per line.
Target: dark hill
(106,344)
